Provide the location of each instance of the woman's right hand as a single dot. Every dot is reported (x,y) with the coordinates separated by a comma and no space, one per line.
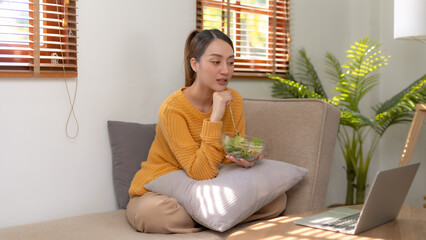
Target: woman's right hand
(220,101)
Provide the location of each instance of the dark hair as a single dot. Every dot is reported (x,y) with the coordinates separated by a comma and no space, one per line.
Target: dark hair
(195,46)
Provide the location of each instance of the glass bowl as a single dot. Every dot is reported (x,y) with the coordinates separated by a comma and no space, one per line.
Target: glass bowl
(248,148)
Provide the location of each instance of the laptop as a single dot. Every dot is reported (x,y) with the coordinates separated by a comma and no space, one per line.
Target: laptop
(383,203)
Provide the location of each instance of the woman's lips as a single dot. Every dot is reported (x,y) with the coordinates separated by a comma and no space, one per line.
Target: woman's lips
(222,81)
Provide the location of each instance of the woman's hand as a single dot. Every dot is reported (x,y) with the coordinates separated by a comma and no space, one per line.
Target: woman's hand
(242,162)
(220,101)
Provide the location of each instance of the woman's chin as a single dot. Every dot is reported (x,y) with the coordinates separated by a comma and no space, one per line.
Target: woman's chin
(221,87)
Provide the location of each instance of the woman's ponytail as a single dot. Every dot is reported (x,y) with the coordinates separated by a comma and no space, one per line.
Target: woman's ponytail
(189,52)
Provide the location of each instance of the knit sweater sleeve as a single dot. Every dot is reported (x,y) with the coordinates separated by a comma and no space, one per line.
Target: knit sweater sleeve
(200,159)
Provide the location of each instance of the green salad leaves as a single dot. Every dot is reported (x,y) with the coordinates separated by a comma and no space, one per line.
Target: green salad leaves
(240,147)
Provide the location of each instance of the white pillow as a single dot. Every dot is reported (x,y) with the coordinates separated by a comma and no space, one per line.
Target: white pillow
(235,194)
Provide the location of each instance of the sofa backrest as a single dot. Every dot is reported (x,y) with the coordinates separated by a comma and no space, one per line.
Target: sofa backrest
(298,131)
(301,132)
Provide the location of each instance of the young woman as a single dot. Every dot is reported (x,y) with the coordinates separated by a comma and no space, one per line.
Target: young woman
(188,136)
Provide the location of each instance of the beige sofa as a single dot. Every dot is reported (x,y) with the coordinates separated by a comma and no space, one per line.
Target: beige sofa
(299,131)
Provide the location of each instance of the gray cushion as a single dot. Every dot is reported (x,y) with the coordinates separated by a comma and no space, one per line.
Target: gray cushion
(130,144)
(234,195)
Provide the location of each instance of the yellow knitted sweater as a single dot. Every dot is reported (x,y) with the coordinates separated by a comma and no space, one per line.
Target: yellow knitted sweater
(186,139)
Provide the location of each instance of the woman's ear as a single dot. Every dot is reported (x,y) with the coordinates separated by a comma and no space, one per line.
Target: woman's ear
(194,64)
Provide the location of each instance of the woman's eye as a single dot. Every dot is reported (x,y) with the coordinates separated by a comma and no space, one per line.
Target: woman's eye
(216,62)
(231,63)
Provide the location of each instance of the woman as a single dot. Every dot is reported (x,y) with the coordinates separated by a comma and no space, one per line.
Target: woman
(188,136)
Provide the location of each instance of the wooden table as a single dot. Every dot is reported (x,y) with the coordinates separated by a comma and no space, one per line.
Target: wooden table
(410,224)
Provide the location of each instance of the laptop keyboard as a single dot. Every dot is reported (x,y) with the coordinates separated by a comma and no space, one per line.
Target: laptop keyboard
(347,223)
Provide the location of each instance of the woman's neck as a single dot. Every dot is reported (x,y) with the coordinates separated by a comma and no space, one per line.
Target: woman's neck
(200,98)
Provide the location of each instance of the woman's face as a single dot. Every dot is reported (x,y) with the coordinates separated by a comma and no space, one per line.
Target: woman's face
(216,66)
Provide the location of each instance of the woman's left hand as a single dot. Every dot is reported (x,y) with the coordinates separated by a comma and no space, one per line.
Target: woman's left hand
(242,162)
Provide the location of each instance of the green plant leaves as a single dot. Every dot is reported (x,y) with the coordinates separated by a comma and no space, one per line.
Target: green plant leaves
(400,107)
(353,81)
(286,88)
(309,75)
(334,69)
(355,120)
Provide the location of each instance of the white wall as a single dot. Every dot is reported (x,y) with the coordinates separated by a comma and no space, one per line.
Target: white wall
(124,75)
(127,75)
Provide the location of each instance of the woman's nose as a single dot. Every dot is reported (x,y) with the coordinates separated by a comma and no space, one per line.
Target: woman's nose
(224,68)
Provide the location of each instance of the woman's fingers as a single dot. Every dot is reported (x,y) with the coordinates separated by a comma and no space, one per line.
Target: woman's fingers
(246,164)
(220,101)
(241,162)
(224,96)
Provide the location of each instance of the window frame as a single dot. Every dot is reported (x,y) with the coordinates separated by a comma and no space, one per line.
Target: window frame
(278,58)
(38,59)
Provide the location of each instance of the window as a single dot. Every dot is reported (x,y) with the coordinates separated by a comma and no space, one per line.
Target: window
(38,38)
(258,28)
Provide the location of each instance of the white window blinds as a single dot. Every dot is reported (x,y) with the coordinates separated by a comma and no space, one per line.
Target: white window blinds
(258,28)
(38,38)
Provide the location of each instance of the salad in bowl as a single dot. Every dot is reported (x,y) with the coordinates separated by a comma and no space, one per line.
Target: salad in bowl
(246,147)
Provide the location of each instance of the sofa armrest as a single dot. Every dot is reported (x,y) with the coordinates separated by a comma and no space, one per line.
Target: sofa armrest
(301,132)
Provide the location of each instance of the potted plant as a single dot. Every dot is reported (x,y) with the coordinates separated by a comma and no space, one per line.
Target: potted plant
(353,80)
